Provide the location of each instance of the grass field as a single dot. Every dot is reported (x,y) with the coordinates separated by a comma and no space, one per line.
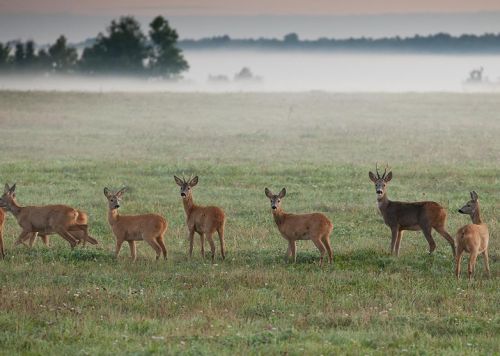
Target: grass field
(66,147)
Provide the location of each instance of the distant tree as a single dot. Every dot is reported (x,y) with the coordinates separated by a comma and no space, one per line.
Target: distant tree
(62,57)
(291,38)
(4,55)
(30,54)
(19,55)
(123,49)
(165,59)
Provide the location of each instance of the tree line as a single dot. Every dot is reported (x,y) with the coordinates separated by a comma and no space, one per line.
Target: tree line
(436,43)
(123,48)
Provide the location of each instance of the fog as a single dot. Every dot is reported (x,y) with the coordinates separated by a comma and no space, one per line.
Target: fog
(292,71)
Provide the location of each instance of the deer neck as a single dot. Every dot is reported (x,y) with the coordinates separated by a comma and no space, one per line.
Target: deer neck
(188,204)
(476,216)
(382,202)
(279,216)
(14,208)
(113,216)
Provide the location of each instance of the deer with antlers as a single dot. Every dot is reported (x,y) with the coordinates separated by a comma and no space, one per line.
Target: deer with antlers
(204,220)
(44,220)
(131,228)
(472,238)
(293,227)
(414,216)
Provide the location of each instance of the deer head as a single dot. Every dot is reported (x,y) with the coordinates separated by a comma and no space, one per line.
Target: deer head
(380,181)
(275,199)
(114,198)
(9,196)
(471,206)
(186,185)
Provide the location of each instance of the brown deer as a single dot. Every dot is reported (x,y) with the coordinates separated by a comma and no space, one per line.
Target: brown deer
(79,235)
(414,216)
(131,228)
(48,219)
(204,220)
(2,221)
(472,238)
(315,227)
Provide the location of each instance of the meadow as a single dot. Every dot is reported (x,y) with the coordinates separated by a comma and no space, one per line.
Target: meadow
(66,147)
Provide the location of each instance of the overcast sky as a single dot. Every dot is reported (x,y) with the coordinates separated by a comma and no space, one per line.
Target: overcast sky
(44,20)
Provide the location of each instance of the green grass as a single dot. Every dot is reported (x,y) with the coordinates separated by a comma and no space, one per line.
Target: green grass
(66,147)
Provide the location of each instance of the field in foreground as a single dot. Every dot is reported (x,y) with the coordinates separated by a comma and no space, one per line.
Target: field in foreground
(67,147)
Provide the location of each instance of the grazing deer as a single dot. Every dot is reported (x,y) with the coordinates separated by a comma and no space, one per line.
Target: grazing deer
(131,228)
(48,219)
(472,238)
(315,227)
(204,220)
(414,216)
(2,221)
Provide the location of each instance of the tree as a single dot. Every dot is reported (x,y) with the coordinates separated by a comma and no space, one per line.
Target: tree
(4,55)
(19,55)
(166,58)
(291,38)
(29,54)
(62,57)
(123,49)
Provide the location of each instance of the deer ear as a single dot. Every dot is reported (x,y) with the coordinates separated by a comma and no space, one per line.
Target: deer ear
(13,188)
(120,192)
(106,192)
(178,181)
(372,177)
(388,177)
(6,188)
(282,193)
(474,195)
(269,194)
(193,181)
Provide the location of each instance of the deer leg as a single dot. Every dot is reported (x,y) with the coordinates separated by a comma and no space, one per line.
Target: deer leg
(2,252)
(288,252)
(458,261)
(159,239)
(45,239)
(398,241)
(487,263)
(202,242)
(326,242)
(212,245)
(118,247)
(442,231)
(133,250)
(68,237)
(191,242)
(220,232)
(22,237)
(394,231)
(472,263)
(321,249)
(32,239)
(428,236)
(293,250)
(155,247)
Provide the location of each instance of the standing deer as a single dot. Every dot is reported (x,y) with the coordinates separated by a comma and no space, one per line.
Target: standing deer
(315,227)
(472,238)
(204,220)
(414,216)
(48,219)
(131,228)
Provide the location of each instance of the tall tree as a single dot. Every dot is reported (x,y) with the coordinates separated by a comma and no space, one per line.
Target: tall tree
(4,55)
(19,55)
(123,49)
(62,57)
(166,58)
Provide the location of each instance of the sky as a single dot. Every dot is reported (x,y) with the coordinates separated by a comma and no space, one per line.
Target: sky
(44,20)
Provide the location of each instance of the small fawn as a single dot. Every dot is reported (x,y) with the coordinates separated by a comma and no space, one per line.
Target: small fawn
(472,238)
(414,216)
(204,220)
(45,220)
(131,228)
(315,227)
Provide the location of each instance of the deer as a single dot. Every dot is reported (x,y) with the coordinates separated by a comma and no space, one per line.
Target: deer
(44,220)
(413,216)
(293,227)
(131,228)
(204,220)
(472,238)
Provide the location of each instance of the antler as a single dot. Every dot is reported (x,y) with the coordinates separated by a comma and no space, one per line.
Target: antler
(376,169)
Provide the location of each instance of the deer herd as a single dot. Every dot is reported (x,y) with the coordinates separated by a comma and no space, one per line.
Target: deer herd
(72,224)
